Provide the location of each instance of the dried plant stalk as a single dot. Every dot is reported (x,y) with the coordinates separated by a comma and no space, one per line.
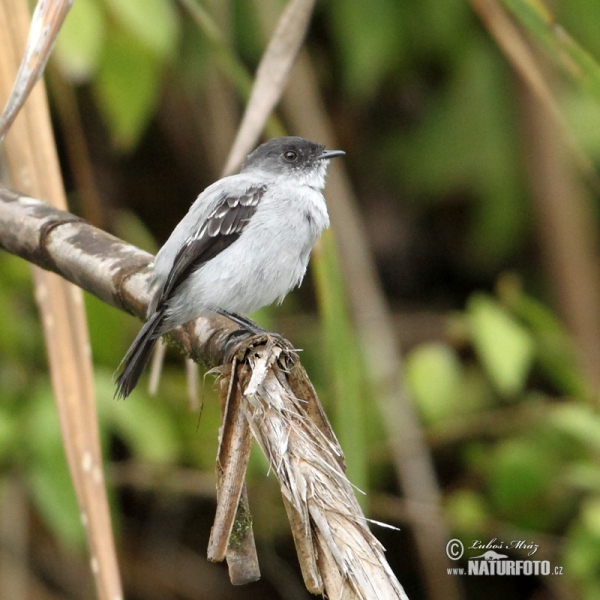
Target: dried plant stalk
(339,555)
(47,20)
(271,78)
(529,65)
(233,511)
(569,239)
(33,165)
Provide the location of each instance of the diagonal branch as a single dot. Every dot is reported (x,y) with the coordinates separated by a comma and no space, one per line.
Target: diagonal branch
(271,77)
(338,554)
(46,21)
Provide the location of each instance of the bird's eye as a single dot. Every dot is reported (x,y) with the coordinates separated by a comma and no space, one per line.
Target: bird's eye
(290,156)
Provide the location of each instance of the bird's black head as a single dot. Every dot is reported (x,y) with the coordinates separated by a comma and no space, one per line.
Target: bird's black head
(293,157)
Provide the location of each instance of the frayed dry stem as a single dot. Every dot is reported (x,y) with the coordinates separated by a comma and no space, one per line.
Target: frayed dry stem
(411,456)
(231,536)
(232,504)
(242,559)
(339,556)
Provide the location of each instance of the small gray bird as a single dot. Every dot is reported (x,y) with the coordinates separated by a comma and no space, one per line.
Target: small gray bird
(244,243)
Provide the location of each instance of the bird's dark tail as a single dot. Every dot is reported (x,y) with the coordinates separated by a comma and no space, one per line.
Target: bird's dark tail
(133,363)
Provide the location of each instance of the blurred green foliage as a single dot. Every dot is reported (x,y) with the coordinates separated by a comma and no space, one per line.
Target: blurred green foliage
(428,109)
(343,358)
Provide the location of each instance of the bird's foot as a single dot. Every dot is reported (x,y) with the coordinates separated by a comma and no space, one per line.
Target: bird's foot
(250,326)
(242,341)
(234,341)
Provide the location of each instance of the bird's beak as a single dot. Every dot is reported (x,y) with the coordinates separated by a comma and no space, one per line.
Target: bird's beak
(327,154)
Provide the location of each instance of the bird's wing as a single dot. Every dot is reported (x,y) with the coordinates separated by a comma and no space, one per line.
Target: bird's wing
(218,231)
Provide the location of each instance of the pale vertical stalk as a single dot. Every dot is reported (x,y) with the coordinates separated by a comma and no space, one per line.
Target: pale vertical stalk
(47,20)
(34,169)
(158,359)
(566,231)
(527,64)
(564,216)
(14,538)
(375,328)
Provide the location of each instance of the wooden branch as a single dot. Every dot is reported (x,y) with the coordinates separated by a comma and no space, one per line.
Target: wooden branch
(338,554)
(114,271)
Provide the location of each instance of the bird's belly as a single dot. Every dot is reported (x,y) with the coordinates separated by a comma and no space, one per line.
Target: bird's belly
(243,279)
(266,277)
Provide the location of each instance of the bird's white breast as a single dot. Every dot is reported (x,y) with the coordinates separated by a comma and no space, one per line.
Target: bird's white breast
(268,259)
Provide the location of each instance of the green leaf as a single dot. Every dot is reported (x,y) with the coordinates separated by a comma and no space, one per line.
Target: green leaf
(583,118)
(344,360)
(582,549)
(590,516)
(154,23)
(47,471)
(147,427)
(370,35)
(504,347)
(467,511)
(554,347)
(127,88)
(433,372)
(53,492)
(575,60)
(578,421)
(583,475)
(520,475)
(581,18)
(79,44)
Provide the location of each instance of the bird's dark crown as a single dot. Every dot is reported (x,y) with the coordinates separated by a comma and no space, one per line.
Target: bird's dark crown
(285,154)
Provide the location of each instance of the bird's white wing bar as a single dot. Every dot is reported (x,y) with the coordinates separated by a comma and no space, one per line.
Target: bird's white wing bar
(222,228)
